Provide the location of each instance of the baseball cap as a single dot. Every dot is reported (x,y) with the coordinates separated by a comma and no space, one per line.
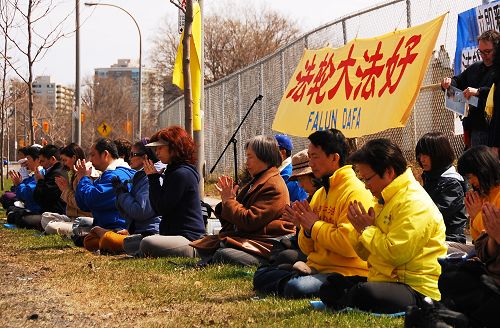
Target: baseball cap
(284,141)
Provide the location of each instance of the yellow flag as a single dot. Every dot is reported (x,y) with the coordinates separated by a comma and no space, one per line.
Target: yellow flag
(364,87)
(195,66)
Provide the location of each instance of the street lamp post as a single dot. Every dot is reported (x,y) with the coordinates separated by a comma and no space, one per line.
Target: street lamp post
(139,113)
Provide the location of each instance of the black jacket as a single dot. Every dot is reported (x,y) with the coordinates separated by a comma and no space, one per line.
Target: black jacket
(47,194)
(447,190)
(481,77)
(177,200)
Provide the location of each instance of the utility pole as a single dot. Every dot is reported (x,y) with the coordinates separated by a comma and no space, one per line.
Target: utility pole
(77,113)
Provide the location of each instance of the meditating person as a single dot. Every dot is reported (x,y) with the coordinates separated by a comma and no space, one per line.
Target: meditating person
(303,174)
(8,198)
(24,191)
(286,146)
(98,196)
(482,169)
(472,287)
(401,237)
(442,182)
(46,193)
(174,195)
(62,224)
(140,218)
(251,219)
(324,227)
(288,252)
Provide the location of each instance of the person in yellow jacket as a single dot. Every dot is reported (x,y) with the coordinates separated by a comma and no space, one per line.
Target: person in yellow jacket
(324,227)
(401,237)
(480,166)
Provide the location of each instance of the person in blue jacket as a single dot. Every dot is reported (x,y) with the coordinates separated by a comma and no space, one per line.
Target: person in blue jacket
(174,195)
(140,218)
(98,196)
(286,146)
(24,189)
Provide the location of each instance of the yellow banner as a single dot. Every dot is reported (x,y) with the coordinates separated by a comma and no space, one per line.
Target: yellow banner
(194,64)
(367,86)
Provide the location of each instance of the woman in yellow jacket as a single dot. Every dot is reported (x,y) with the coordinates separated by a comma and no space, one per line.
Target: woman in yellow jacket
(401,238)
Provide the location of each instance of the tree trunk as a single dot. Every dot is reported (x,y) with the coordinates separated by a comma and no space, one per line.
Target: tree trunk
(186,69)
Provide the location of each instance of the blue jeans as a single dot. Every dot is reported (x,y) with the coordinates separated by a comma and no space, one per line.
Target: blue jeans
(305,286)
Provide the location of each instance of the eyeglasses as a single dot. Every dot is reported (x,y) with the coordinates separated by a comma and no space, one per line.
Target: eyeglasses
(485,52)
(366,180)
(133,154)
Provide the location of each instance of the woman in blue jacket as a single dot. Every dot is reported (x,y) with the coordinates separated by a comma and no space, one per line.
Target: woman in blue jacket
(140,218)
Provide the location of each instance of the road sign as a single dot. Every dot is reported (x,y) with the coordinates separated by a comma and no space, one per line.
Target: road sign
(104,129)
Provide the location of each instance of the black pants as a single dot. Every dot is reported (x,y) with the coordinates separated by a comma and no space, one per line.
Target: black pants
(380,297)
(466,288)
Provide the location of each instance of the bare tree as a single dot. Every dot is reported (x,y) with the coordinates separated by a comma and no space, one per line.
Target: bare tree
(234,38)
(107,100)
(33,14)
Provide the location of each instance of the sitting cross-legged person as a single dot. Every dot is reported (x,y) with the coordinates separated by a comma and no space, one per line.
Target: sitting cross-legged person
(134,206)
(472,287)
(324,227)
(9,197)
(98,196)
(62,224)
(31,211)
(442,182)
(251,219)
(401,237)
(288,250)
(480,166)
(174,195)
(46,193)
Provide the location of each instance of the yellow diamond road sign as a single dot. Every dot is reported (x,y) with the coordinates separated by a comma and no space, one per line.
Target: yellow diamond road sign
(104,129)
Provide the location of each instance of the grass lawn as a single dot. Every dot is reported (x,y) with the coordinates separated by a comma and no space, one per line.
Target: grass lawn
(49,282)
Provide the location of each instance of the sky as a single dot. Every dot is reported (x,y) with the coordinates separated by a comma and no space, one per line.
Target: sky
(107,33)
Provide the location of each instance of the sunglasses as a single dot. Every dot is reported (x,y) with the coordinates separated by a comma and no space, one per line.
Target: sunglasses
(133,154)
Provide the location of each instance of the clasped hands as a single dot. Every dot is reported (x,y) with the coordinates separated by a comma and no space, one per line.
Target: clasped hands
(81,169)
(301,214)
(359,217)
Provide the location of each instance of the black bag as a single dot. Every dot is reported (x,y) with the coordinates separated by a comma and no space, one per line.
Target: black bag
(206,212)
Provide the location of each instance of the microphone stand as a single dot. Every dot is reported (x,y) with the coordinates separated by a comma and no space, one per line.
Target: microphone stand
(233,141)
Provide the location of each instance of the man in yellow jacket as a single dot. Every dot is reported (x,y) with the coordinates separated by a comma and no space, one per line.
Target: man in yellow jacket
(324,227)
(401,237)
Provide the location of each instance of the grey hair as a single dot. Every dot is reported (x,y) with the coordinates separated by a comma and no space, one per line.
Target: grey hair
(266,149)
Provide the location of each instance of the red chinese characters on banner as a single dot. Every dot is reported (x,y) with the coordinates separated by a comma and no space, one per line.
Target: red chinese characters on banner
(373,73)
(303,80)
(326,71)
(395,62)
(367,76)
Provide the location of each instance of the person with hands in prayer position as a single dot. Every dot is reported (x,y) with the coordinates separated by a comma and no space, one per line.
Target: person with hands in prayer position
(324,227)
(401,237)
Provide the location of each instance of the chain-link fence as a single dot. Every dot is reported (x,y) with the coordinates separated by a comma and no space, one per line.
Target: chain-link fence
(227,100)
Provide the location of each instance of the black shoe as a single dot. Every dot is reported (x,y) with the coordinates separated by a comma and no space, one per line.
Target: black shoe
(433,315)
(333,291)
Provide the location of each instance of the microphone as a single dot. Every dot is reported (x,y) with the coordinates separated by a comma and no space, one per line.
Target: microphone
(259,97)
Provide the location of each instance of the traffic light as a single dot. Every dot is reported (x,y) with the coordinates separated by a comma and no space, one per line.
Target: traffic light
(45,126)
(82,117)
